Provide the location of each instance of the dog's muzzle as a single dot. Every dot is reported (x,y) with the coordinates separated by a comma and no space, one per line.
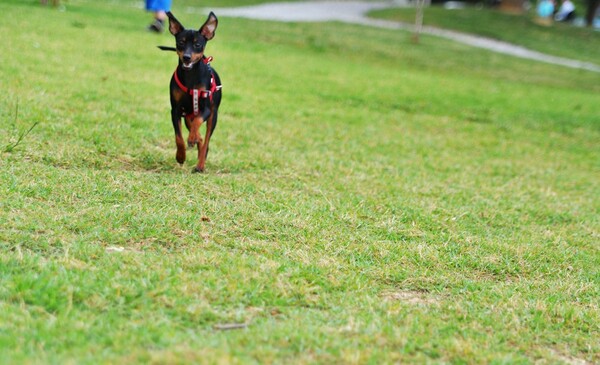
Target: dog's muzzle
(187,62)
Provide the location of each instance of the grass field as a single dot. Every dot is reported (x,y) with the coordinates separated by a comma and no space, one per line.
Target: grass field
(560,39)
(366,200)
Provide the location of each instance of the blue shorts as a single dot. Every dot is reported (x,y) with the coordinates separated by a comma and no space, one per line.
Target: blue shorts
(158,5)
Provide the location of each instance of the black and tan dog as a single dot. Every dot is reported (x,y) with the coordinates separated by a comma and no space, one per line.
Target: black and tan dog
(195,87)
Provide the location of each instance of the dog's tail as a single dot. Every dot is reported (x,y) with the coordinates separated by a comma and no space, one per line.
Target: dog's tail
(165,48)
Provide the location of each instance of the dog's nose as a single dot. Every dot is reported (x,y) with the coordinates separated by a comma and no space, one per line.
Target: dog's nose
(187,58)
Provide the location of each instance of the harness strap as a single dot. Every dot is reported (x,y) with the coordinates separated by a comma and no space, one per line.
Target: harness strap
(198,93)
(203,93)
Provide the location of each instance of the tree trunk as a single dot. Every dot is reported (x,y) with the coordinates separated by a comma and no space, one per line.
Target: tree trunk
(591,11)
(418,20)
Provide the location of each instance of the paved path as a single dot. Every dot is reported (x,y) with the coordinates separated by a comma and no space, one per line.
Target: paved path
(355,12)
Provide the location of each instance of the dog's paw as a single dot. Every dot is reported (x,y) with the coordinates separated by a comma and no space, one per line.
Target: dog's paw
(193,142)
(197,170)
(180,157)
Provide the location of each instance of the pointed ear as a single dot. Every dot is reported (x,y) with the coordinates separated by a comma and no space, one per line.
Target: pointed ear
(210,26)
(174,25)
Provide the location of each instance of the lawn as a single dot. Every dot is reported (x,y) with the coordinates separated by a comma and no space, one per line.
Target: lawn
(560,39)
(366,200)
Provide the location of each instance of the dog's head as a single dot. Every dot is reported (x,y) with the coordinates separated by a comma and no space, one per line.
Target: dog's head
(189,43)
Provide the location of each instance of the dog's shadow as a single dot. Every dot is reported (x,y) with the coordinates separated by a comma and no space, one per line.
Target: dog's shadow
(158,156)
(166,164)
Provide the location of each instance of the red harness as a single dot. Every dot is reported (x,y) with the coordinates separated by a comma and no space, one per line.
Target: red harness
(198,93)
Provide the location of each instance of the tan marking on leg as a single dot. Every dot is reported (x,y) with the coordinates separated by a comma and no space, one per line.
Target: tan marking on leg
(194,136)
(203,147)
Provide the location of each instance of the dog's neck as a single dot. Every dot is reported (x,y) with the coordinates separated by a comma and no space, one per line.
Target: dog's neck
(197,77)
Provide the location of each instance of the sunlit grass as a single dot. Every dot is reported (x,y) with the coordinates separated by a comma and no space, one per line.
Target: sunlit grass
(366,200)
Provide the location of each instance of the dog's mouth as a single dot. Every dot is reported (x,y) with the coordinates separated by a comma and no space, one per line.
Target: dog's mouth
(187,65)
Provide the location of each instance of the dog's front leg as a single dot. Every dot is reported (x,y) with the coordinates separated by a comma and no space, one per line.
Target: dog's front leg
(203,147)
(176,118)
(194,127)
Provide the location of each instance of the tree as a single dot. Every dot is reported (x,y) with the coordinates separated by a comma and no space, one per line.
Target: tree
(418,20)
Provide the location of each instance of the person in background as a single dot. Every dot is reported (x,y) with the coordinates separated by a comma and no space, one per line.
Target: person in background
(566,12)
(159,8)
(545,9)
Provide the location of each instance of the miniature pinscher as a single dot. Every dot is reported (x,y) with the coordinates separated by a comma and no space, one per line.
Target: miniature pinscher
(195,87)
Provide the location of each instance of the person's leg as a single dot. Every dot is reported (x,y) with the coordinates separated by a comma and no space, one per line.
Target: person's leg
(159,9)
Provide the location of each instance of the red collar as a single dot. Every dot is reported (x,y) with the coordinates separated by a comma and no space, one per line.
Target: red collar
(204,93)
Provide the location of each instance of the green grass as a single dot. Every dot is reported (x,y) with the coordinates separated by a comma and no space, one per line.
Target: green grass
(560,39)
(366,200)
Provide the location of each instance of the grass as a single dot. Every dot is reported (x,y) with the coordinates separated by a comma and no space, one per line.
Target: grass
(560,39)
(366,200)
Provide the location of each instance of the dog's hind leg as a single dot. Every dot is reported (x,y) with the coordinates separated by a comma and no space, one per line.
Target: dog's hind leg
(214,111)
(212,129)
(187,122)
(203,147)
(176,118)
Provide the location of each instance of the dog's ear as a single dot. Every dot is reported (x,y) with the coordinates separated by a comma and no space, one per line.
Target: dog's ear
(174,25)
(210,26)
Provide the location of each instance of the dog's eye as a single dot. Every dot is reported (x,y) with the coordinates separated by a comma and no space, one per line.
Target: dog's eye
(198,46)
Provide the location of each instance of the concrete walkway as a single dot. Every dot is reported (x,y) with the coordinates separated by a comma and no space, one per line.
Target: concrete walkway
(355,12)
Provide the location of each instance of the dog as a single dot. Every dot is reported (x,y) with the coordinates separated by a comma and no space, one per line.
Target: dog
(195,88)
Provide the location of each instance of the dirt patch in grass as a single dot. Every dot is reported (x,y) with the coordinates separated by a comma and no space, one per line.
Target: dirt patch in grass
(410,297)
(568,359)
